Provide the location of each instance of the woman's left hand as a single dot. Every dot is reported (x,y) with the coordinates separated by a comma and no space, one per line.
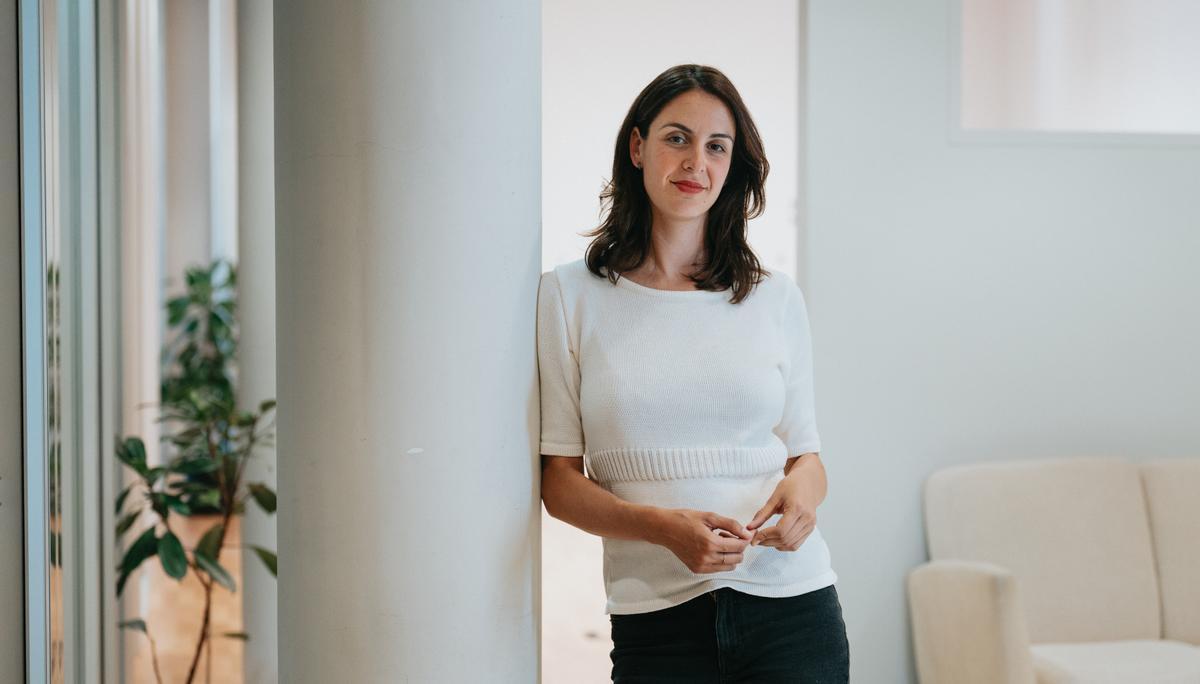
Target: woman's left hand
(795,497)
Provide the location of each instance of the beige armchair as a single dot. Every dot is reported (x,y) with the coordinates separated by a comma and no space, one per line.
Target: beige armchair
(1080,571)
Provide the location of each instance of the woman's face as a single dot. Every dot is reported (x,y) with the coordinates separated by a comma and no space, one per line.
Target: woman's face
(685,155)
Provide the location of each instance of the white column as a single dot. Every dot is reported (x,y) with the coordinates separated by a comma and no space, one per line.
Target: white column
(408,252)
(256,304)
(12,563)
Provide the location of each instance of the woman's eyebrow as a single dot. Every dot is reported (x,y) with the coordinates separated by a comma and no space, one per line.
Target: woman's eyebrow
(689,131)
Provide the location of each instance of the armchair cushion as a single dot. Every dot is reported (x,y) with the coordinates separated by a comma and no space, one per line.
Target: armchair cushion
(1149,661)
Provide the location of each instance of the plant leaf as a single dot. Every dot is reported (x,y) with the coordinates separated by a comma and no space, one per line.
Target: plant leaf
(215,571)
(137,449)
(268,558)
(176,308)
(210,543)
(264,495)
(141,549)
(170,552)
(127,522)
(266,405)
(132,452)
(237,635)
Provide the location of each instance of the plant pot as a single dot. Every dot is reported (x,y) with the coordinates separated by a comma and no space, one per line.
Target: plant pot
(174,611)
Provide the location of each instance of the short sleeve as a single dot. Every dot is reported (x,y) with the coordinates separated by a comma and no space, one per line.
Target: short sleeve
(558,374)
(798,426)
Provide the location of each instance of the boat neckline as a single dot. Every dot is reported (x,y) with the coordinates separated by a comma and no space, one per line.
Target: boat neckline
(625,282)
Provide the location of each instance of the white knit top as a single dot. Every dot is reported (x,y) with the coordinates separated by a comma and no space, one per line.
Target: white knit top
(680,399)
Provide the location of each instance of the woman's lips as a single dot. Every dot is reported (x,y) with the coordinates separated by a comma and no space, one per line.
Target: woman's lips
(689,187)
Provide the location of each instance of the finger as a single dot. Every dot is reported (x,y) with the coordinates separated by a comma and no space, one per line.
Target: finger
(730,559)
(797,537)
(758,533)
(730,544)
(763,513)
(785,527)
(729,524)
(740,542)
(730,562)
(765,536)
(788,524)
(805,533)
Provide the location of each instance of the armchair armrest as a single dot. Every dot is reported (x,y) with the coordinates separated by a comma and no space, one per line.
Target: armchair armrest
(968,624)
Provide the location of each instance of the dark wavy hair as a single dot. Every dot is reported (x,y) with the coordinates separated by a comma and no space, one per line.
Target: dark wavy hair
(621,243)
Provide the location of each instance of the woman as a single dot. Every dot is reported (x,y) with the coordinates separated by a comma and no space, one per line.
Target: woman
(682,369)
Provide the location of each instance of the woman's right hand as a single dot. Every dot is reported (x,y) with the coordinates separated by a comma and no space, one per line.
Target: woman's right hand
(705,541)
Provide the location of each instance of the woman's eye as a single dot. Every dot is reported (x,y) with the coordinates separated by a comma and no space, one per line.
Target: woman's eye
(716,146)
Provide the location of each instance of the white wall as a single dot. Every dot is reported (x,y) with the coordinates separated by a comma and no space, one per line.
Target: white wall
(596,58)
(974,302)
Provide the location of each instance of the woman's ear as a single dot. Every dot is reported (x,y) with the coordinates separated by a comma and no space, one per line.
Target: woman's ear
(635,147)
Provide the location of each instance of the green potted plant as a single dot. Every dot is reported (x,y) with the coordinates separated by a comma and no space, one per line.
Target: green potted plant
(210,441)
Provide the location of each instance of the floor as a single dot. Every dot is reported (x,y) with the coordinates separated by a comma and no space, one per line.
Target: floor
(575,629)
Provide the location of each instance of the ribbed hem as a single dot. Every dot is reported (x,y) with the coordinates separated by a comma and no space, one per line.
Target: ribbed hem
(633,464)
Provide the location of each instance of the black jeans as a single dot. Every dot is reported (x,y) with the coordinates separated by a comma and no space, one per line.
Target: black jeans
(729,636)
